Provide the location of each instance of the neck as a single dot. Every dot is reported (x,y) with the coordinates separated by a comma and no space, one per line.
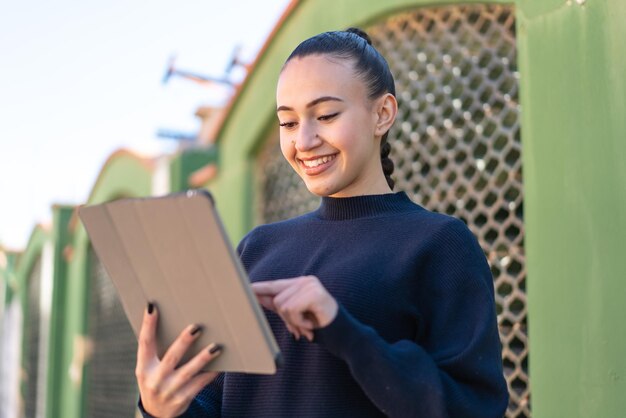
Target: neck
(354,207)
(374,184)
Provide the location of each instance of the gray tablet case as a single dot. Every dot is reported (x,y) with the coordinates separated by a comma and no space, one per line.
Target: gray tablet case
(173,251)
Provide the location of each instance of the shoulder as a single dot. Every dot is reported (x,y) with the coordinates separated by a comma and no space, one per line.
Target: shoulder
(449,231)
(437,227)
(449,253)
(455,257)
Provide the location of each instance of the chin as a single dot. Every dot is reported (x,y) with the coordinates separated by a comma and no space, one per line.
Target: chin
(321,190)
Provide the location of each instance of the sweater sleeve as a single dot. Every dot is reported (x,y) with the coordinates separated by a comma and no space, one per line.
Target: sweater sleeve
(454,367)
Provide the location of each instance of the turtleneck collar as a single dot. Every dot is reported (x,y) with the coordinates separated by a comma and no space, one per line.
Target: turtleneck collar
(344,208)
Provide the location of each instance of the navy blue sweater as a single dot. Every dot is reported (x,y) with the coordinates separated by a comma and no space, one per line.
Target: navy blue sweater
(416,332)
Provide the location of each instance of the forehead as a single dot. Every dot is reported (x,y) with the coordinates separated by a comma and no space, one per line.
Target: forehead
(304,79)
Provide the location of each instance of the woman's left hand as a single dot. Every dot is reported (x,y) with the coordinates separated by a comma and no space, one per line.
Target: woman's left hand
(302,302)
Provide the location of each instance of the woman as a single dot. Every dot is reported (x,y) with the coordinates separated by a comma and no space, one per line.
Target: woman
(380,307)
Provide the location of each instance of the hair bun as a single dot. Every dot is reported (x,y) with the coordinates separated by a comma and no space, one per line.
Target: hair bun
(360,33)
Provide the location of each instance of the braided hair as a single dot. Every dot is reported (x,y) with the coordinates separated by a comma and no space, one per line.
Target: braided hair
(354,44)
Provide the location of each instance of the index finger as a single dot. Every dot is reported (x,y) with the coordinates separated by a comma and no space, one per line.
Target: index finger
(146,347)
(271,287)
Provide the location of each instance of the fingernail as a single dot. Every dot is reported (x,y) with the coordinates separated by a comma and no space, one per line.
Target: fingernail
(150,307)
(214,348)
(196,329)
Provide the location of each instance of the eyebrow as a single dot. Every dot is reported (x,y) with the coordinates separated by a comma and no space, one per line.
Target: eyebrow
(312,103)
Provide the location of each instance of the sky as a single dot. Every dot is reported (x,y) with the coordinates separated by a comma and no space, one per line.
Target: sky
(81,79)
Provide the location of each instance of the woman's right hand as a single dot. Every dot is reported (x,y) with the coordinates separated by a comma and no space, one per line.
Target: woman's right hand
(165,389)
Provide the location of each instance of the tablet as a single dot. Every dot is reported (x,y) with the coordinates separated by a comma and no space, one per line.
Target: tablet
(173,251)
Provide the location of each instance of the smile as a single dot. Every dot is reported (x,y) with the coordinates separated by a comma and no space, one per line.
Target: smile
(318,161)
(315,166)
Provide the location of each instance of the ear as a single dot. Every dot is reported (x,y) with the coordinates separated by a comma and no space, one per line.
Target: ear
(386,111)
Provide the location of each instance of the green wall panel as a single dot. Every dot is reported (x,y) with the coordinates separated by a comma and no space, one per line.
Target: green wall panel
(183,164)
(534,8)
(573,70)
(124,174)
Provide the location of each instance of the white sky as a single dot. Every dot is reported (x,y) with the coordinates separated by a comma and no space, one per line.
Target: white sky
(80,79)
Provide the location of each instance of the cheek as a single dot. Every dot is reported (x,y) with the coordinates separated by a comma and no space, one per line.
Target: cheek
(350,141)
(287,148)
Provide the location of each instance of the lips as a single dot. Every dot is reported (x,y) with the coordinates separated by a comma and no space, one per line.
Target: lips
(316,165)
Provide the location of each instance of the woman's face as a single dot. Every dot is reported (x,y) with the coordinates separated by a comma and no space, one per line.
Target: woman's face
(329,129)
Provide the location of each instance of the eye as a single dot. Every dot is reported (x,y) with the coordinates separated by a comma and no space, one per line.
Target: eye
(328,117)
(287,125)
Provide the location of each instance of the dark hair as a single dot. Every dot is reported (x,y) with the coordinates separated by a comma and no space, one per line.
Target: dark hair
(354,44)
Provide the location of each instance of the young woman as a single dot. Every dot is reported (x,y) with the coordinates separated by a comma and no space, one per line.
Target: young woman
(380,307)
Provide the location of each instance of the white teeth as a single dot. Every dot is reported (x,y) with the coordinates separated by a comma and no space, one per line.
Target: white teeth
(318,161)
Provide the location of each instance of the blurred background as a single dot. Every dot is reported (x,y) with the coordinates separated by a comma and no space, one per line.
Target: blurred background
(82,79)
(511,119)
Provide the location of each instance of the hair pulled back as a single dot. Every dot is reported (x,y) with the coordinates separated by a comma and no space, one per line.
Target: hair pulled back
(354,44)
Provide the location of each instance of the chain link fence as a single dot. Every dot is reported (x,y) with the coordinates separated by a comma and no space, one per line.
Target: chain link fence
(111,388)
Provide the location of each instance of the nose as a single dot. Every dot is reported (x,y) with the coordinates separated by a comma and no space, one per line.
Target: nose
(307,139)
